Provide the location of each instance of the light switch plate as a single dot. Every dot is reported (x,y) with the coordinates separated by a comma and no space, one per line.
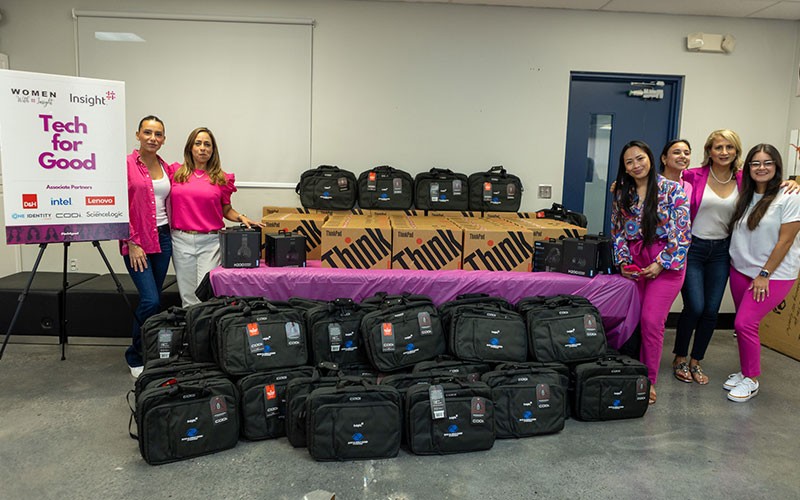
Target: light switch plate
(545,191)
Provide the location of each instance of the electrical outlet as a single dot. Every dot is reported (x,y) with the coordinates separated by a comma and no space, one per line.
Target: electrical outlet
(545,191)
(73,264)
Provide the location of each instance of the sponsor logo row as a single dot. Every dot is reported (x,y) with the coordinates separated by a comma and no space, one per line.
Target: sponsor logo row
(65,215)
(31,201)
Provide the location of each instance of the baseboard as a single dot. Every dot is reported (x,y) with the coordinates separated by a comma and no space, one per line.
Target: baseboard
(724,320)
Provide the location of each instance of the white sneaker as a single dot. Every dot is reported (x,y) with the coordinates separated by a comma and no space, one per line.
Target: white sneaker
(733,380)
(136,371)
(744,390)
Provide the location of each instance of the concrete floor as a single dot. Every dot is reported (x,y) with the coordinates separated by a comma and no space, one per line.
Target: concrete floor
(63,434)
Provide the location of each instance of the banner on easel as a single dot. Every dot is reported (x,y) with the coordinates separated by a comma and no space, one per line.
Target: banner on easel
(62,149)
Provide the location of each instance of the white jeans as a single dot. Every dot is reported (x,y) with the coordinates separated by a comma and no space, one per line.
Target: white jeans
(193,255)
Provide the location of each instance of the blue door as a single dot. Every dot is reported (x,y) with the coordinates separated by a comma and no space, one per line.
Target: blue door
(606,111)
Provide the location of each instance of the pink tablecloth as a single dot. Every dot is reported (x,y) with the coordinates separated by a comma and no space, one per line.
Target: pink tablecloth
(615,296)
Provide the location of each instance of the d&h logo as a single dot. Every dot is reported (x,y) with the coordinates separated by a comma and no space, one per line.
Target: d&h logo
(30,201)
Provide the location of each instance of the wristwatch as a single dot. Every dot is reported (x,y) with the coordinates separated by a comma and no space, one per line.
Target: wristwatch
(764,273)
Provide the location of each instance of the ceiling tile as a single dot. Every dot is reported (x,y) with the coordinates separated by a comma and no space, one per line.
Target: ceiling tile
(789,11)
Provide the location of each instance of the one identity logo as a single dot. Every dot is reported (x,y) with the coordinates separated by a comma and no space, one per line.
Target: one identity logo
(30,201)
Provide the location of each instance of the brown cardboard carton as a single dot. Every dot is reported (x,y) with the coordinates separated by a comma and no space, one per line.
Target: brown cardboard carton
(309,225)
(509,215)
(780,329)
(452,214)
(430,243)
(269,209)
(392,213)
(496,245)
(543,229)
(356,242)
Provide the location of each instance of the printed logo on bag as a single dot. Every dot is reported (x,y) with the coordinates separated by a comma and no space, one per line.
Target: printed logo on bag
(269,391)
(192,434)
(494,343)
(452,431)
(527,417)
(410,349)
(503,255)
(357,439)
(616,405)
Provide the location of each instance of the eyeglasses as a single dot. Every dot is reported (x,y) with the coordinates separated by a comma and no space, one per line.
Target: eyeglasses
(757,164)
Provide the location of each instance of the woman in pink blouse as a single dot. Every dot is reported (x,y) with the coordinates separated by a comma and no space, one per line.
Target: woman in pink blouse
(650,229)
(148,249)
(200,201)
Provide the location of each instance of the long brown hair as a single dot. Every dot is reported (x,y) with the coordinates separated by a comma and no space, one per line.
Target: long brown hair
(213,167)
(749,188)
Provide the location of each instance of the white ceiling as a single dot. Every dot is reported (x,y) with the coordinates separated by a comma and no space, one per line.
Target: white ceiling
(788,10)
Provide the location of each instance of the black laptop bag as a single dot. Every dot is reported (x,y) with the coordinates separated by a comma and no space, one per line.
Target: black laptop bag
(263,402)
(297,391)
(335,333)
(441,189)
(163,335)
(528,401)
(449,416)
(483,328)
(495,191)
(353,421)
(258,336)
(563,328)
(404,330)
(327,188)
(187,419)
(386,188)
(448,366)
(611,388)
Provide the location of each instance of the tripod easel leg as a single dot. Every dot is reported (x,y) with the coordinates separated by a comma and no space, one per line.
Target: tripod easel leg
(22,296)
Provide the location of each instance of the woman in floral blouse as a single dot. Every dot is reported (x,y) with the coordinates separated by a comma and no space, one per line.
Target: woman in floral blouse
(650,228)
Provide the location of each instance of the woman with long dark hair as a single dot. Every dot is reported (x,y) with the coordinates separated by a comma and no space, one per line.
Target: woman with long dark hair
(765,259)
(650,229)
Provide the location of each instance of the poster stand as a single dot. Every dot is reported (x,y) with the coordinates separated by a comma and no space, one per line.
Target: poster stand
(62,328)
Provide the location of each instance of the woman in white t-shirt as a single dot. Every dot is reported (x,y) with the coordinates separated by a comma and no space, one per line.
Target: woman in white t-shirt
(765,258)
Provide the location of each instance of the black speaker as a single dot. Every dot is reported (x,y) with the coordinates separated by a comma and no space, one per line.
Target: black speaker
(547,255)
(240,247)
(285,249)
(588,256)
(41,313)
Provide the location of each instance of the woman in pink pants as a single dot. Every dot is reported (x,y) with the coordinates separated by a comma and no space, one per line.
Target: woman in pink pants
(765,259)
(650,229)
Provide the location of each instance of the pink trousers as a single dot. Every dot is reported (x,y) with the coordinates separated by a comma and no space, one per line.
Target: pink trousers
(656,297)
(749,314)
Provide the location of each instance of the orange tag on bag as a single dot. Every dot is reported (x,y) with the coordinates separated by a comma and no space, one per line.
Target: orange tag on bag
(269,391)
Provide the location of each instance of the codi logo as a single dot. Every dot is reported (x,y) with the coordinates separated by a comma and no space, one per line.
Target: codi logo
(30,201)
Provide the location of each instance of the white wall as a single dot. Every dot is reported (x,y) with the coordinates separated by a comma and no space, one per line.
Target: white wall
(418,85)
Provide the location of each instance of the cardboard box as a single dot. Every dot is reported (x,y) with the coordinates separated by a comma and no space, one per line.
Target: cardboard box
(392,213)
(496,245)
(509,215)
(356,242)
(543,229)
(452,214)
(309,225)
(780,329)
(430,243)
(269,209)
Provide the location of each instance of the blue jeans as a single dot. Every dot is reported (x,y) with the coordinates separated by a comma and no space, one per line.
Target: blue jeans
(707,269)
(149,284)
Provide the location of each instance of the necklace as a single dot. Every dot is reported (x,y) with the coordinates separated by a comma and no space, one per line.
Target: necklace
(203,172)
(719,181)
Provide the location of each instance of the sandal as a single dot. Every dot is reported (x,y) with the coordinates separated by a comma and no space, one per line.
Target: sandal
(652,399)
(681,372)
(698,375)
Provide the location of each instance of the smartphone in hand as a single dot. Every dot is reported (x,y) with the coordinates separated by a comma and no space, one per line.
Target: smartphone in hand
(632,268)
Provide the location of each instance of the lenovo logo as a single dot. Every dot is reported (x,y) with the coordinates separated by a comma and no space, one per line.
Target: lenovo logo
(503,256)
(433,254)
(30,201)
(100,200)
